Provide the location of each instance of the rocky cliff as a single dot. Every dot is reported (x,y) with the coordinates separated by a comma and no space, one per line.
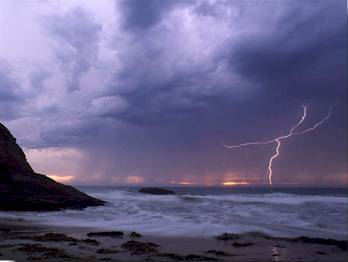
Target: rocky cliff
(23,189)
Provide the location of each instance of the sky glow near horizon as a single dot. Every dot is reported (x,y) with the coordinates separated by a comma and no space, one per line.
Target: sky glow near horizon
(123,92)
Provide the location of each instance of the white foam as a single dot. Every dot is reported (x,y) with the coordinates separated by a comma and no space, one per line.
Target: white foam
(275,198)
(277,214)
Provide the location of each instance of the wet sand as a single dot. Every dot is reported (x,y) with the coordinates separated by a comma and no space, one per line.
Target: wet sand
(25,241)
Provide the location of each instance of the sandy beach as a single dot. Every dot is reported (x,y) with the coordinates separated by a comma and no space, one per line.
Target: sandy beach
(26,241)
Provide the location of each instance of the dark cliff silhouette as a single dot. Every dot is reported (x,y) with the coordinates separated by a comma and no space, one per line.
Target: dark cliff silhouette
(23,189)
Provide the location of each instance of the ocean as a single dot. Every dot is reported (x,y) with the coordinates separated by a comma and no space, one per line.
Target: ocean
(207,211)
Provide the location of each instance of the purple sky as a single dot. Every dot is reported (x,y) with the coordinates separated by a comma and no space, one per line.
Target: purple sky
(127,92)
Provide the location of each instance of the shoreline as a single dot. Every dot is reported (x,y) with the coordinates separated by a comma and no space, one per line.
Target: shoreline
(27,241)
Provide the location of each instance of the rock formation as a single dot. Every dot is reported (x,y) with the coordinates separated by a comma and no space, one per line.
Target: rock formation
(21,189)
(156,191)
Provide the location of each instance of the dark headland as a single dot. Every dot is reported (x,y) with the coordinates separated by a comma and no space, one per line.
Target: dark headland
(21,189)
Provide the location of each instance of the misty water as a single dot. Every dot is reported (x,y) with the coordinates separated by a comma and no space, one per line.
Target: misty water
(205,212)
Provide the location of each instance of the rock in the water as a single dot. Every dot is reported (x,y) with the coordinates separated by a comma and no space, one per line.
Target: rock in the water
(53,237)
(89,241)
(49,252)
(137,247)
(156,191)
(107,251)
(115,234)
(171,256)
(227,236)
(238,244)
(5,230)
(135,235)
(21,189)
(217,252)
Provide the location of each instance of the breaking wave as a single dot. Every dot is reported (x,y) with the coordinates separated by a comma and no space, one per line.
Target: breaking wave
(277,214)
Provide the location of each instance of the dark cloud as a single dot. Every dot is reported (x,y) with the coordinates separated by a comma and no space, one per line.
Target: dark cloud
(156,102)
(61,133)
(10,95)
(9,86)
(141,15)
(293,58)
(301,57)
(162,78)
(77,34)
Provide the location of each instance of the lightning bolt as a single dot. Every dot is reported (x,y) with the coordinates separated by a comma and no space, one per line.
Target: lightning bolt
(277,140)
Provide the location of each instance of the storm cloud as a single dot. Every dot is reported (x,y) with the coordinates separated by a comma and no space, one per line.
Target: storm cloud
(143,91)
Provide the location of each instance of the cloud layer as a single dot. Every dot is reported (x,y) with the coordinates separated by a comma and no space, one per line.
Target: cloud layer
(144,92)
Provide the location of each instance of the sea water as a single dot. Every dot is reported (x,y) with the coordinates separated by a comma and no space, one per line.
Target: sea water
(206,211)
